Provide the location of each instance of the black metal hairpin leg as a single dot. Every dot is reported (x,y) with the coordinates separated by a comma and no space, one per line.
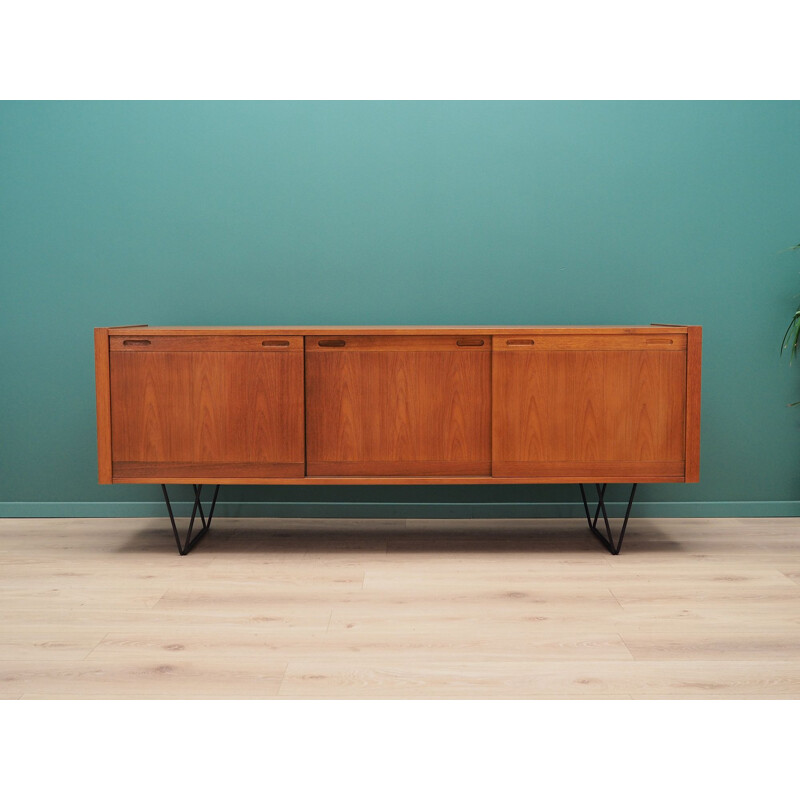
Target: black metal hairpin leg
(607,540)
(189,544)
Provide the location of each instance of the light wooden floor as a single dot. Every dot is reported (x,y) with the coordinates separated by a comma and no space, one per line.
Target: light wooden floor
(693,608)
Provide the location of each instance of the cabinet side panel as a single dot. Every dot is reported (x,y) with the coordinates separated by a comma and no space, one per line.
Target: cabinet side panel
(103,399)
(693,380)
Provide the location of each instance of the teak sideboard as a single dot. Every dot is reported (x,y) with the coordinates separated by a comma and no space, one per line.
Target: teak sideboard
(398,405)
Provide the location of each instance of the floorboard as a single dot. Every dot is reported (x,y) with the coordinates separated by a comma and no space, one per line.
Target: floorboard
(277,608)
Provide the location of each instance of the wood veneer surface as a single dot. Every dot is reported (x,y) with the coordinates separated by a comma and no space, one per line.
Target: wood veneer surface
(237,412)
(382,330)
(558,411)
(290,608)
(398,406)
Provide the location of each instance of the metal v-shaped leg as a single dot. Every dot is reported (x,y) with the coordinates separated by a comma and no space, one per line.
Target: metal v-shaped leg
(188,545)
(607,539)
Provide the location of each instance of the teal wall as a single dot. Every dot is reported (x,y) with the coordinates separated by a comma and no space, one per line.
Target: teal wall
(390,213)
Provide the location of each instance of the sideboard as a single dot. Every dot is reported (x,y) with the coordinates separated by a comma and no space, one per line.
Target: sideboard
(398,405)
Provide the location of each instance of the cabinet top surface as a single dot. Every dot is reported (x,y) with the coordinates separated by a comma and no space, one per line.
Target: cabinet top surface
(375,330)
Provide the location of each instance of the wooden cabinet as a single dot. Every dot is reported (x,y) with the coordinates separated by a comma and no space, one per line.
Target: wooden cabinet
(206,407)
(398,405)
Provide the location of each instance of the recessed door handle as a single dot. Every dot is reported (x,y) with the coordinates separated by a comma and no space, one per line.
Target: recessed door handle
(136,342)
(658,341)
(469,342)
(275,343)
(331,343)
(519,342)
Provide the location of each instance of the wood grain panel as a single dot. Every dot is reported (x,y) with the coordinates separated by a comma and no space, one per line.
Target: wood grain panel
(415,330)
(207,408)
(577,407)
(398,343)
(400,468)
(652,340)
(613,476)
(387,608)
(588,471)
(103,400)
(693,370)
(401,404)
(371,412)
(204,471)
(144,341)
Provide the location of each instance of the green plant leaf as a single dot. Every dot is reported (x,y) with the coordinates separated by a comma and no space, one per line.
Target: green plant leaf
(792,336)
